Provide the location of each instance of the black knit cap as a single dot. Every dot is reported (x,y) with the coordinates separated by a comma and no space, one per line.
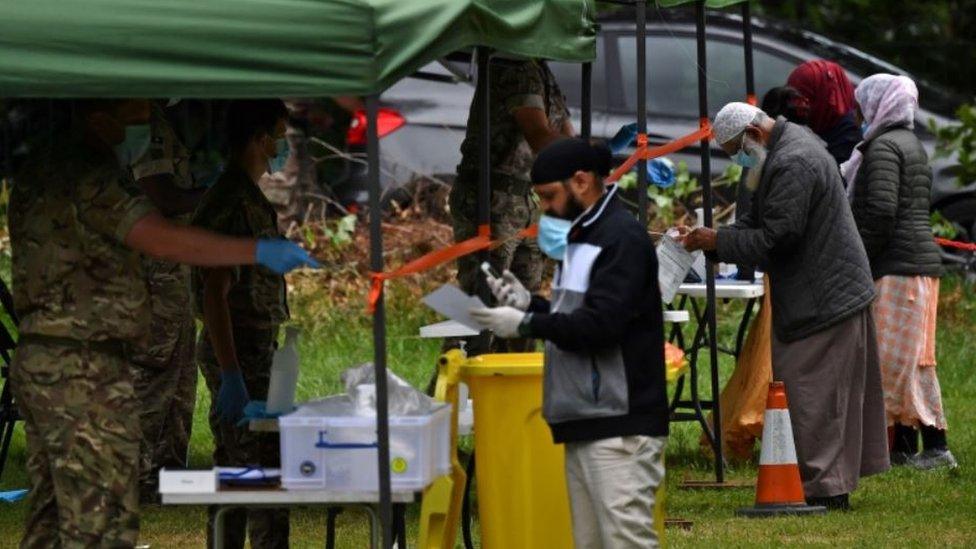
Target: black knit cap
(560,159)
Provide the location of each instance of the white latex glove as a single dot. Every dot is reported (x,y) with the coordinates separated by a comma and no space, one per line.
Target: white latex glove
(509,291)
(503,321)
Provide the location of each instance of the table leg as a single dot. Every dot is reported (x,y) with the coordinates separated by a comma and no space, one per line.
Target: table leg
(677,333)
(400,525)
(374,526)
(330,526)
(218,526)
(743,326)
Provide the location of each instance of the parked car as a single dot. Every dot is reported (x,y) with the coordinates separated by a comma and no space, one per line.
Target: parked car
(435,104)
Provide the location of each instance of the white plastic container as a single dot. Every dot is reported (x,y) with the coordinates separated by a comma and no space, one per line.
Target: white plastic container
(284,375)
(323,449)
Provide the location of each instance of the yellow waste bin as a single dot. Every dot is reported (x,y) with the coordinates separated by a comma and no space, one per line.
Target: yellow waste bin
(522,498)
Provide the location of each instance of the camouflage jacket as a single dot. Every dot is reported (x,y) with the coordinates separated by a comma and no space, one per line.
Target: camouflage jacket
(169,283)
(166,155)
(235,206)
(512,85)
(71,208)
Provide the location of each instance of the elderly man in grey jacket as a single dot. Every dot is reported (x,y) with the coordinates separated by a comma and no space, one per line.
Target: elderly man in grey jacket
(801,232)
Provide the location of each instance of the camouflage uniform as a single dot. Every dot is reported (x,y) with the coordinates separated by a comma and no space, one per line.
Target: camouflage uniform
(165,371)
(235,206)
(80,295)
(513,85)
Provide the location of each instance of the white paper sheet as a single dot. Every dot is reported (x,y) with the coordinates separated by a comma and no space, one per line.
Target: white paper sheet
(451,302)
(673,264)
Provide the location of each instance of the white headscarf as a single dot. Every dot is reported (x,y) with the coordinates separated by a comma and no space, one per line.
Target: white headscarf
(886,101)
(732,120)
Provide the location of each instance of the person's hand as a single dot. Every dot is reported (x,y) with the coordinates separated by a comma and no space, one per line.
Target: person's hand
(679,232)
(623,138)
(509,291)
(282,256)
(503,321)
(232,397)
(701,238)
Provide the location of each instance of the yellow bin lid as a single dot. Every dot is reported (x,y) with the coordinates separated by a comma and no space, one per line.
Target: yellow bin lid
(506,364)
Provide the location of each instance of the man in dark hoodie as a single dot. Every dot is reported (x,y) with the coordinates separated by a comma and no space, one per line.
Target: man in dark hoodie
(604,383)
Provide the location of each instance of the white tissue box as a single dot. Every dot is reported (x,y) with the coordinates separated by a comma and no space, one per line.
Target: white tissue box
(186,481)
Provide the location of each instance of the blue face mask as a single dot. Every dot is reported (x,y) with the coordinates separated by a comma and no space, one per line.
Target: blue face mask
(554,236)
(744,160)
(864,128)
(134,145)
(277,163)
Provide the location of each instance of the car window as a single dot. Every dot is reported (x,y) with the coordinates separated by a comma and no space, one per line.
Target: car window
(672,76)
(569,76)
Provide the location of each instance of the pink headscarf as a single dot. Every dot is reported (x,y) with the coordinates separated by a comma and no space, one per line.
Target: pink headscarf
(886,101)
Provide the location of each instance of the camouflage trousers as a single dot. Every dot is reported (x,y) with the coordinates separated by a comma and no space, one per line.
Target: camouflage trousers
(82,428)
(510,213)
(239,446)
(166,386)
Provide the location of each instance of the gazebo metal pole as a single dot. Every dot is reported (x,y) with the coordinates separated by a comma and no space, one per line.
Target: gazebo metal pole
(586,101)
(642,107)
(379,321)
(706,178)
(484,158)
(747,48)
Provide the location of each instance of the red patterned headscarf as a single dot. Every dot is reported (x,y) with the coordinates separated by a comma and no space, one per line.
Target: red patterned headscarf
(827,88)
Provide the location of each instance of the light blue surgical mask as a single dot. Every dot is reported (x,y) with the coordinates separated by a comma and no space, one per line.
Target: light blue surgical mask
(744,160)
(135,144)
(864,128)
(554,236)
(282,149)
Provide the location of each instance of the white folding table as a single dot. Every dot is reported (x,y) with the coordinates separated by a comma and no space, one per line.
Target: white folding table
(227,498)
(692,409)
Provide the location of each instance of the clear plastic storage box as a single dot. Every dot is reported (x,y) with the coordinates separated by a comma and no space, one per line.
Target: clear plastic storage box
(324,446)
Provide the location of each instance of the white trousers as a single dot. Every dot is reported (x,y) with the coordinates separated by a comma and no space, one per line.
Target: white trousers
(611,485)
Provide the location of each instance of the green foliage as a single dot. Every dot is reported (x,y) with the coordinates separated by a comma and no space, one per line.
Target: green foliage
(4,201)
(942,227)
(340,233)
(666,201)
(959,139)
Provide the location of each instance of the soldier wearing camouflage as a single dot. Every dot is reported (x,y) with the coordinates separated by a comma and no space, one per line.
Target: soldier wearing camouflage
(81,297)
(165,370)
(513,85)
(257,301)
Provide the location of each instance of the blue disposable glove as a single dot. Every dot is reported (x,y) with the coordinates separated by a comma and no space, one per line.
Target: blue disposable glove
(625,136)
(282,255)
(660,171)
(232,397)
(13,496)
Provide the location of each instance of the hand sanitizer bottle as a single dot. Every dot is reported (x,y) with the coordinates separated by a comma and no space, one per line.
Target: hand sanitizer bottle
(284,375)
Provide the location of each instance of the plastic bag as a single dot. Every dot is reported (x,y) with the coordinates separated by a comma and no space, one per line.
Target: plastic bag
(404,399)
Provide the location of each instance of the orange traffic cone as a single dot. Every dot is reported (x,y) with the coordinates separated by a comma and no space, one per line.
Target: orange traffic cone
(779,490)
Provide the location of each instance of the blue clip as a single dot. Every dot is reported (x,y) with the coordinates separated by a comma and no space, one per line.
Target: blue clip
(322,443)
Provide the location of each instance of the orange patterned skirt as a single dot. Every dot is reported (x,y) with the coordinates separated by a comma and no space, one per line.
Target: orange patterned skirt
(905,315)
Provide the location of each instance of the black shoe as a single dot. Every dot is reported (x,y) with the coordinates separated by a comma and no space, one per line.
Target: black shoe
(832,503)
(900,458)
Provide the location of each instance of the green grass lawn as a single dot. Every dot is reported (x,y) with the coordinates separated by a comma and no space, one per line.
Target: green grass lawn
(902,508)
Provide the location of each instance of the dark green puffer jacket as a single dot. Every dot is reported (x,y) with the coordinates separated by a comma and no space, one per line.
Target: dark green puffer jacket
(891,206)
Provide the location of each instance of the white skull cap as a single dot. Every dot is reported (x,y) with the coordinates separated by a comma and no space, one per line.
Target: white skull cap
(732,120)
